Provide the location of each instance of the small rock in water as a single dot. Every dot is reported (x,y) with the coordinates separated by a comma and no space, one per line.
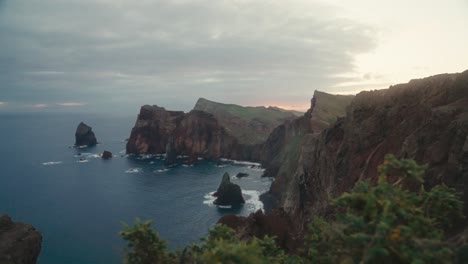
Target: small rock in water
(84,136)
(106,154)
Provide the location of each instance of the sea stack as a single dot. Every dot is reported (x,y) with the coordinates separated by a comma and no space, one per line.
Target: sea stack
(106,154)
(84,136)
(229,194)
(19,243)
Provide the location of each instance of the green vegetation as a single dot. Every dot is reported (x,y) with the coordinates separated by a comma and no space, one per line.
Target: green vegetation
(388,223)
(392,221)
(251,125)
(330,106)
(221,246)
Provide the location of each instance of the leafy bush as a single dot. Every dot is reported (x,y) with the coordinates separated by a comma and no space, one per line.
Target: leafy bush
(387,223)
(144,245)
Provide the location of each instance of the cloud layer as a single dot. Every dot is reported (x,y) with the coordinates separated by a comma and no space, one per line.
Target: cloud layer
(170,53)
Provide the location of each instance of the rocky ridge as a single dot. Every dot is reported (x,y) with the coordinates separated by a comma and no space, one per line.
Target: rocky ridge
(199,134)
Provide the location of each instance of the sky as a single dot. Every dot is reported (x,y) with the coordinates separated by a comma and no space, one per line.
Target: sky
(116,55)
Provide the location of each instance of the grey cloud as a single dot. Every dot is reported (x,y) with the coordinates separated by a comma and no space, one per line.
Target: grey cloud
(171,52)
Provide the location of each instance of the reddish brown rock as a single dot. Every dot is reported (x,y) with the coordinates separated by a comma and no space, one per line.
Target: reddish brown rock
(19,243)
(194,134)
(425,120)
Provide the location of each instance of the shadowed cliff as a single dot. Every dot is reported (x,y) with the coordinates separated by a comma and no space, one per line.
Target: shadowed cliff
(425,120)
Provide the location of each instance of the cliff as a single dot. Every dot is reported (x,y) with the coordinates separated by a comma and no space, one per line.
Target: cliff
(230,131)
(425,120)
(280,152)
(19,243)
(250,125)
(194,134)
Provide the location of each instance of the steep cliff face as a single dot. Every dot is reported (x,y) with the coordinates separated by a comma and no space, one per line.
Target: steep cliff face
(19,243)
(228,131)
(425,120)
(195,134)
(152,130)
(281,150)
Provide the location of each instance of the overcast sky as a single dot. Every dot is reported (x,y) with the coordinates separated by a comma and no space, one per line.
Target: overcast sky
(115,55)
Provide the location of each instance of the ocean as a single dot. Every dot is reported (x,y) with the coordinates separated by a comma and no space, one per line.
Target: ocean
(78,201)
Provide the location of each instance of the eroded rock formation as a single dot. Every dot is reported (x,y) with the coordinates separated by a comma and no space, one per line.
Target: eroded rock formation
(195,134)
(84,135)
(228,193)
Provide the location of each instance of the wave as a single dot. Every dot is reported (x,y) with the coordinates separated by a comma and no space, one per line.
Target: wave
(82,161)
(87,155)
(145,156)
(253,203)
(241,162)
(209,199)
(161,170)
(50,163)
(133,170)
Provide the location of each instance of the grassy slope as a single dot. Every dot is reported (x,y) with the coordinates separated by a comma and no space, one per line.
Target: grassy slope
(329,106)
(250,125)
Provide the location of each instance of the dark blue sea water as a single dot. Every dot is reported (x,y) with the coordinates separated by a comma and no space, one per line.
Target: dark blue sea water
(79,206)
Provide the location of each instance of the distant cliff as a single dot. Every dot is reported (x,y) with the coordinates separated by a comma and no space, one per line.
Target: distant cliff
(250,125)
(425,120)
(196,134)
(228,131)
(19,243)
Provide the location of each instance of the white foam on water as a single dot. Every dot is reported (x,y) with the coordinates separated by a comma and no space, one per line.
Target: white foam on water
(221,166)
(209,199)
(133,170)
(145,156)
(256,168)
(87,155)
(122,151)
(182,157)
(161,170)
(83,161)
(151,162)
(253,203)
(82,147)
(241,162)
(50,163)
